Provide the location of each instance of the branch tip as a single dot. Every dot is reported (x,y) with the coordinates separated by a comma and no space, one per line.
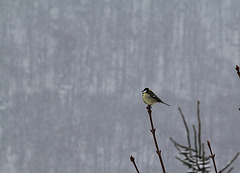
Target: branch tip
(132,158)
(237,68)
(209,145)
(238,72)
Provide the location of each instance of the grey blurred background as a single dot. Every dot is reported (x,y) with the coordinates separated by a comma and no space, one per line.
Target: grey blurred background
(72,72)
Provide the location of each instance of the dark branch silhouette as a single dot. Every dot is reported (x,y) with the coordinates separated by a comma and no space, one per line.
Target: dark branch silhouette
(212,156)
(153,130)
(134,163)
(238,72)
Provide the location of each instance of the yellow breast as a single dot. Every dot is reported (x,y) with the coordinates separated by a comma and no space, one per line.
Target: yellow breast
(148,99)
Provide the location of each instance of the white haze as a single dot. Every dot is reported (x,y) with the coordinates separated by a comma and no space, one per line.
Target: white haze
(72,73)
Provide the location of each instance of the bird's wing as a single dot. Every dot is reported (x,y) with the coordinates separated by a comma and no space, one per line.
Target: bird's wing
(155,96)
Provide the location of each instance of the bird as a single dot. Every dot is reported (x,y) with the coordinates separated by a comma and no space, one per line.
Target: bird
(150,98)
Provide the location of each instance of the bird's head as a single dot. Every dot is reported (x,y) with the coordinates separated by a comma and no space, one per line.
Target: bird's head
(145,90)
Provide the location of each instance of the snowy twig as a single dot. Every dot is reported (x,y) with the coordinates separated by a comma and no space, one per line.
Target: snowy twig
(154,138)
(133,161)
(193,154)
(203,163)
(182,146)
(195,142)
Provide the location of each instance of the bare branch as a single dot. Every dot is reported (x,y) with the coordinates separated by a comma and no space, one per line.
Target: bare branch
(238,72)
(212,156)
(153,130)
(133,161)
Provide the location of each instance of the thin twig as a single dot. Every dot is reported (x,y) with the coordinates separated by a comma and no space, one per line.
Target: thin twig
(199,127)
(186,126)
(203,152)
(195,142)
(179,145)
(196,161)
(212,156)
(230,170)
(230,162)
(153,130)
(185,162)
(238,73)
(133,161)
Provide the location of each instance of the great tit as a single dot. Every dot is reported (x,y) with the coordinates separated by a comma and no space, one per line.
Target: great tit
(150,98)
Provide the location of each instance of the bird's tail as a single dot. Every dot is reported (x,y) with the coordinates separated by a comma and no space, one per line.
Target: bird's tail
(165,103)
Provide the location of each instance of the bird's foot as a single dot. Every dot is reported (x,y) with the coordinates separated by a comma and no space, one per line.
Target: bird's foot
(149,107)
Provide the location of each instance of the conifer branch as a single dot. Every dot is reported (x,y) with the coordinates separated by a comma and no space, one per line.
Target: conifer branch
(199,127)
(186,126)
(193,155)
(235,157)
(196,147)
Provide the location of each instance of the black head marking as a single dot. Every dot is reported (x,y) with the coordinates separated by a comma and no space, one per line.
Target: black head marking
(145,90)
